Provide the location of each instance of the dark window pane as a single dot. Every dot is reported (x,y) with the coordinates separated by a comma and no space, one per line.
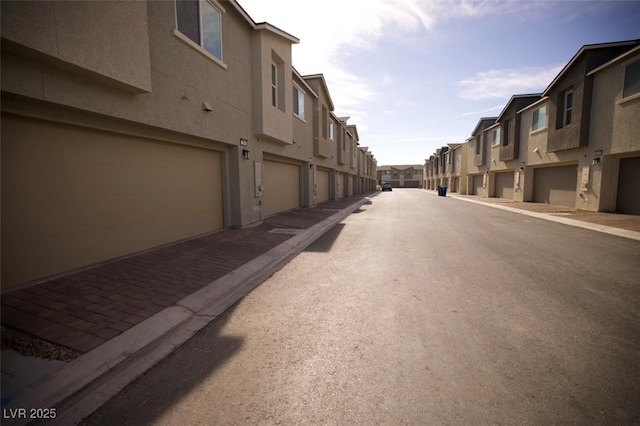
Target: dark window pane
(189,19)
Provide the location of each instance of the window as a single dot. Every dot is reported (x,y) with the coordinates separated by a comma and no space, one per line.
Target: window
(325,123)
(478,144)
(495,137)
(567,108)
(539,118)
(631,79)
(200,21)
(298,102)
(274,85)
(332,130)
(505,134)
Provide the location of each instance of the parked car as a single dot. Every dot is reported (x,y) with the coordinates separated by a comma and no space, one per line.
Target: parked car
(386,186)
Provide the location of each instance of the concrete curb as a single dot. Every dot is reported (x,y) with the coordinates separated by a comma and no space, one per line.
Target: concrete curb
(83,385)
(625,233)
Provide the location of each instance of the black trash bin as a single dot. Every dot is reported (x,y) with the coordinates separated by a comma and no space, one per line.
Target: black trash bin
(442,191)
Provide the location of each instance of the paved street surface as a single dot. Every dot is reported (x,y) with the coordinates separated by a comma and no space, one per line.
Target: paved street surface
(417,309)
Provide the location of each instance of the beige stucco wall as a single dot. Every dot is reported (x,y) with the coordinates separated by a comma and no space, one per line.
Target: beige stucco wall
(80,36)
(272,122)
(182,78)
(614,129)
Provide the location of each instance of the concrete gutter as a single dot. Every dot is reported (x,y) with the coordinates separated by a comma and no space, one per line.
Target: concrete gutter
(82,386)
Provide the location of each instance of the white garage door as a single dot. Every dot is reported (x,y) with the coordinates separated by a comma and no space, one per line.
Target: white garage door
(322,186)
(504,185)
(73,196)
(281,187)
(555,185)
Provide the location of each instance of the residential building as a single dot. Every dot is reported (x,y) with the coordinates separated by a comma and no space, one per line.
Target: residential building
(401,176)
(585,152)
(504,166)
(159,121)
(577,144)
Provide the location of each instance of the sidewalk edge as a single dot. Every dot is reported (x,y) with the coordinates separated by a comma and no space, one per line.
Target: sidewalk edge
(619,232)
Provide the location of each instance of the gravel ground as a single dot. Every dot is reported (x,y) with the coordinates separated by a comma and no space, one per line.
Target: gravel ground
(38,348)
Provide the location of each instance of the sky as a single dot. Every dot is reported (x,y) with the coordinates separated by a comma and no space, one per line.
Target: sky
(416,75)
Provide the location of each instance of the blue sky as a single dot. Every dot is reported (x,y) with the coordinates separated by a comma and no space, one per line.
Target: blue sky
(414,75)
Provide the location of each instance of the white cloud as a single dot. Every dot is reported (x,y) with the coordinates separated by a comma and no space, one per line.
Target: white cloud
(331,30)
(494,108)
(501,84)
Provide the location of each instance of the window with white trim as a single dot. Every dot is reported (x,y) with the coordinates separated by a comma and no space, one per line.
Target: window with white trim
(201,22)
(298,102)
(274,85)
(567,107)
(631,84)
(539,120)
(495,135)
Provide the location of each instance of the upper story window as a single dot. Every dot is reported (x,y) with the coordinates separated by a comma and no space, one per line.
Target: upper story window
(478,144)
(505,133)
(298,102)
(274,85)
(495,137)
(201,22)
(565,107)
(332,130)
(277,82)
(539,120)
(631,79)
(325,121)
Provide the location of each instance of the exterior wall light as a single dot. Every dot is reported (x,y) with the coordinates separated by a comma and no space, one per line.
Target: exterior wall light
(246,154)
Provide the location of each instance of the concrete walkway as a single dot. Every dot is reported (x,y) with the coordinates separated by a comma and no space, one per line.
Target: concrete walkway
(124,316)
(622,225)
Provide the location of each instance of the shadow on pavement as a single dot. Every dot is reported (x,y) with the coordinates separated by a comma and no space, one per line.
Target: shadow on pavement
(324,243)
(171,379)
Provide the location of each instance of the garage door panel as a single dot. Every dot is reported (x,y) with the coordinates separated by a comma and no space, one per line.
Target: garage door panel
(555,185)
(65,213)
(281,187)
(322,186)
(504,185)
(628,194)
(477,184)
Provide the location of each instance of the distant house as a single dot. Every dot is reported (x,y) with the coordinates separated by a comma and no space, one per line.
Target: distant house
(407,176)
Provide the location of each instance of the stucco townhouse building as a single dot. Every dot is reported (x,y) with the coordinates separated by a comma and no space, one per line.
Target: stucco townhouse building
(401,176)
(577,144)
(128,125)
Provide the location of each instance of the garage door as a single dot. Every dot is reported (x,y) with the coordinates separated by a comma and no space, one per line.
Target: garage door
(504,185)
(322,186)
(72,196)
(628,199)
(477,185)
(340,192)
(281,187)
(555,185)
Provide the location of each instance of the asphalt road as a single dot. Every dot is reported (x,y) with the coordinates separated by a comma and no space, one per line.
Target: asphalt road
(417,309)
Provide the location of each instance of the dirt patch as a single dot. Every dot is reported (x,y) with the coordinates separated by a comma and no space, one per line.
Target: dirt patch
(38,348)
